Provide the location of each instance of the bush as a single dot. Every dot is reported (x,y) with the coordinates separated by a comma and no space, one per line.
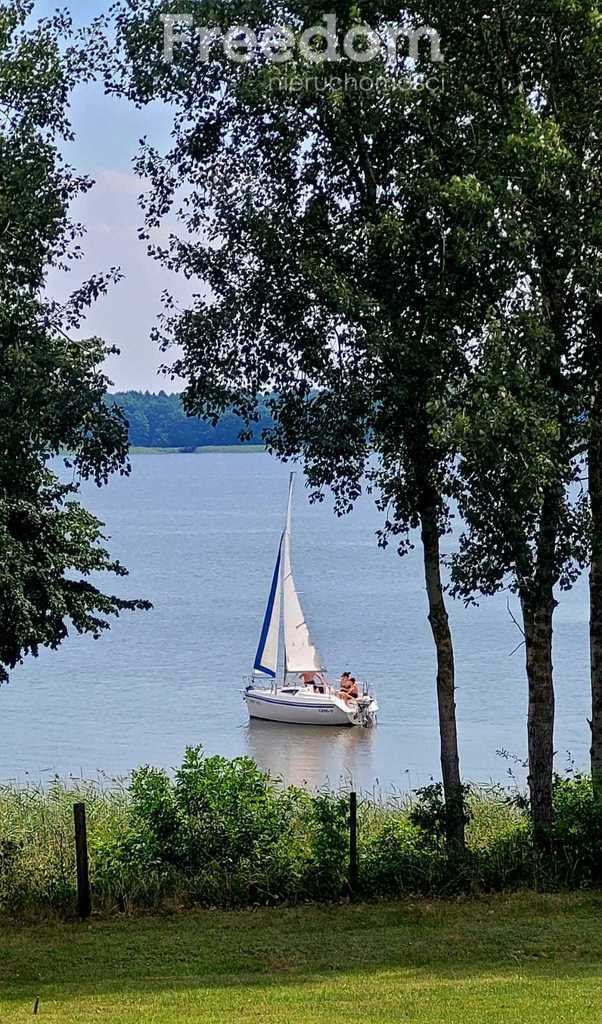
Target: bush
(214,834)
(398,857)
(223,833)
(577,836)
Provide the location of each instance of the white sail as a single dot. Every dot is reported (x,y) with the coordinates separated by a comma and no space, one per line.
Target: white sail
(266,659)
(301,654)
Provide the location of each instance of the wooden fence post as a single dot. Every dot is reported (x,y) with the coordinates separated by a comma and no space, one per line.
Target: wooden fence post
(353,863)
(84,894)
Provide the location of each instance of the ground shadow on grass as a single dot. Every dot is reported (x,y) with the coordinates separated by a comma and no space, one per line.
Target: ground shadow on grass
(544,936)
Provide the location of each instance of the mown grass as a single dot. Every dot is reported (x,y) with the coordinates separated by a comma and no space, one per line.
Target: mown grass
(525,959)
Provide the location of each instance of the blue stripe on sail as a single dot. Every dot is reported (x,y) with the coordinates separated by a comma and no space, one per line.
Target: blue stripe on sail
(268,619)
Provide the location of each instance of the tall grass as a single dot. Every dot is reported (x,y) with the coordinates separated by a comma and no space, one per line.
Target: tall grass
(37,854)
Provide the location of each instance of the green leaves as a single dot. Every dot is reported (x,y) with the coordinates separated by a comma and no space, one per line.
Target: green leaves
(51,388)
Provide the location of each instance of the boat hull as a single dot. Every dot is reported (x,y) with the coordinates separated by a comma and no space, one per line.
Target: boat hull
(301,708)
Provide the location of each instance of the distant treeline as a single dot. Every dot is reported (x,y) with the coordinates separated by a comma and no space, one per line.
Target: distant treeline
(159,421)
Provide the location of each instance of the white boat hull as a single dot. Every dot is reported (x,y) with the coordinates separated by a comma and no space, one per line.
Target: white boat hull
(304,707)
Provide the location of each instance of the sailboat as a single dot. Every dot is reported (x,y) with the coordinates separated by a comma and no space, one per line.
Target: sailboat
(303,696)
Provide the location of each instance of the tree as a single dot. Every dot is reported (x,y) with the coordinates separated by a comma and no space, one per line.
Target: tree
(593,366)
(51,388)
(526,413)
(342,232)
(160,421)
(525,523)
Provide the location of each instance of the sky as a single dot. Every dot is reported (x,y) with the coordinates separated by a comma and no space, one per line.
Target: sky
(107,134)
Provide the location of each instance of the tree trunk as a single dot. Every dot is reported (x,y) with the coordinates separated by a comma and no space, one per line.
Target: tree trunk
(595,590)
(450,761)
(538,604)
(537,618)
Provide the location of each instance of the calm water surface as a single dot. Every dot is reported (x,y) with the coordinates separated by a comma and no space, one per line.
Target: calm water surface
(199,535)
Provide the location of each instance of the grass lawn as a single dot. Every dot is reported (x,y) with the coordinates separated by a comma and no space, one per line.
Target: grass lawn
(508,960)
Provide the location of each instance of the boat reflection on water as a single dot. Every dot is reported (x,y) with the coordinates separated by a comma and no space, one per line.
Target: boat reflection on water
(306,755)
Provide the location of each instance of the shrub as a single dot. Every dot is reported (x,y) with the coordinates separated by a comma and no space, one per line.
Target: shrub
(224,833)
(397,856)
(577,835)
(327,835)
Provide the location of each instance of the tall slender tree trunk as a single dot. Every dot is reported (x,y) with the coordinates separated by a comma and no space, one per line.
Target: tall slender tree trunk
(446,693)
(538,604)
(537,619)
(595,589)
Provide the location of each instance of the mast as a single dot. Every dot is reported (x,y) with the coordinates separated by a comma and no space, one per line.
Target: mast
(286,540)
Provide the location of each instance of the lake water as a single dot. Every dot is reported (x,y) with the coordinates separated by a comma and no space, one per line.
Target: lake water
(199,534)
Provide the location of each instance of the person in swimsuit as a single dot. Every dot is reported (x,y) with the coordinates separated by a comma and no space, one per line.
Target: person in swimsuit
(345,686)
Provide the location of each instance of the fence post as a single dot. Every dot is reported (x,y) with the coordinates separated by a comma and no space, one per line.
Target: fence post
(353,864)
(84,894)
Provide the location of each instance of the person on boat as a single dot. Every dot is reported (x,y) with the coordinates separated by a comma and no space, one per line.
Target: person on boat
(314,679)
(319,683)
(349,689)
(345,686)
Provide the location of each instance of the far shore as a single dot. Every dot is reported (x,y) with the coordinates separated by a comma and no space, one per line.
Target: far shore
(208,449)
